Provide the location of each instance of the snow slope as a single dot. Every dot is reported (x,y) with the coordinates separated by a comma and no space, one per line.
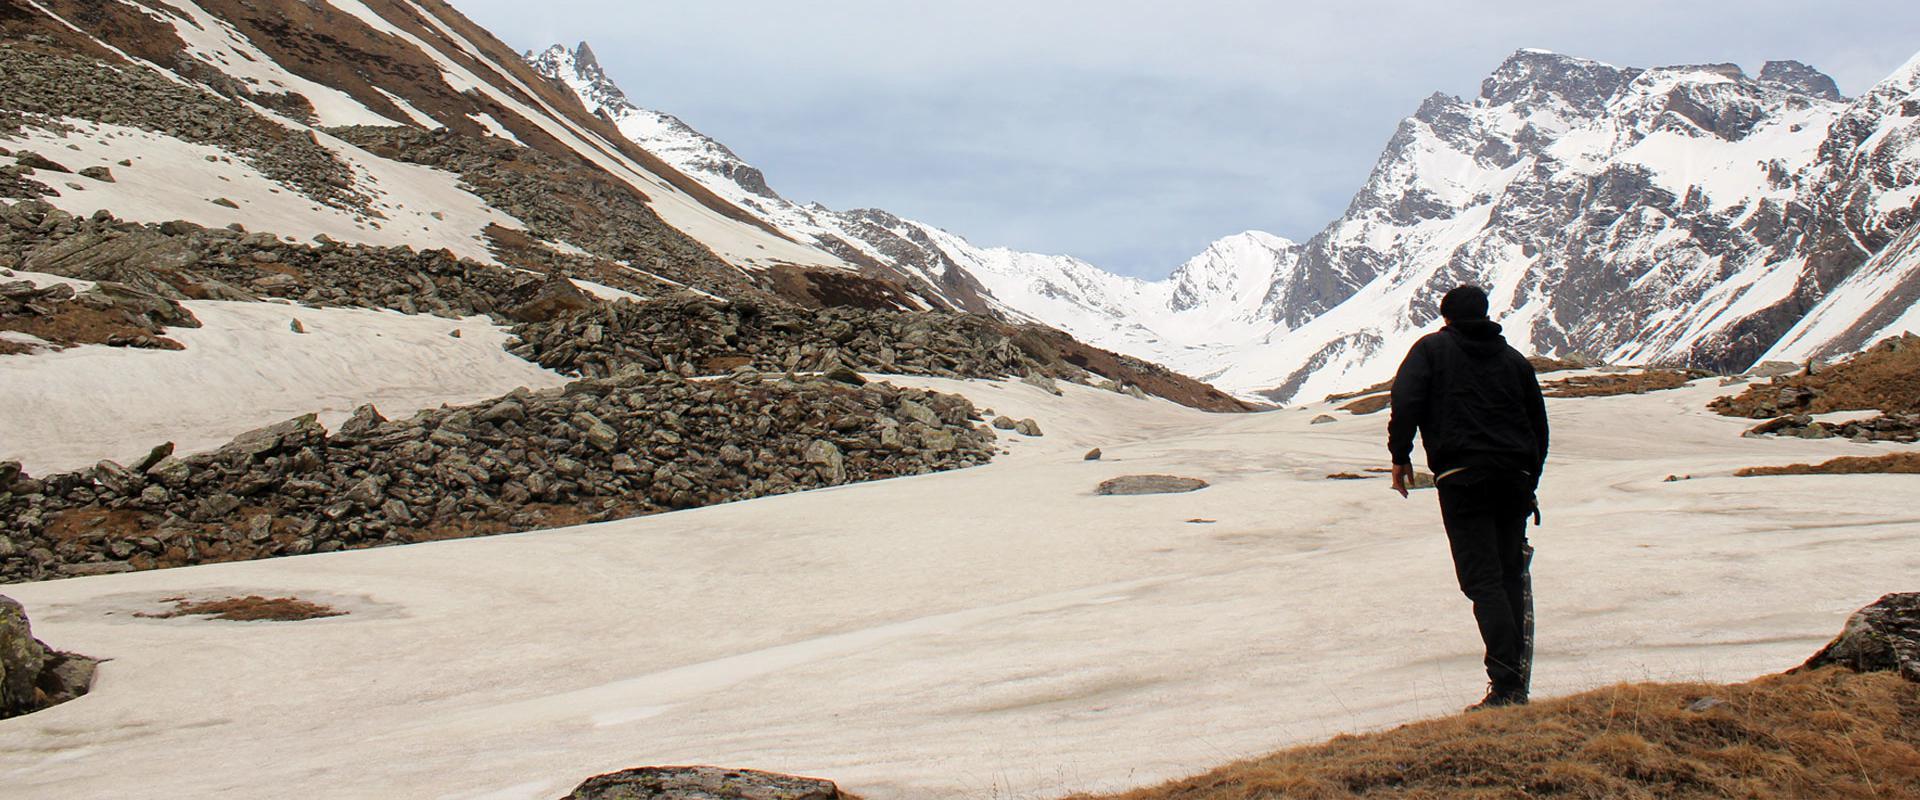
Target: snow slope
(995,632)
(460,70)
(243,369)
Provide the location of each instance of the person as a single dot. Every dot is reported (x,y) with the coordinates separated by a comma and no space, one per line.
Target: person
(1477,407)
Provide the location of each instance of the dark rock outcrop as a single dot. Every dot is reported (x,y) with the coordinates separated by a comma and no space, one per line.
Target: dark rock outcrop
(34,676)
(1883,637)
(703,783)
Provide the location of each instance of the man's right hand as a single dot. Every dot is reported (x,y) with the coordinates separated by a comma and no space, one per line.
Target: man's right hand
(1402,477)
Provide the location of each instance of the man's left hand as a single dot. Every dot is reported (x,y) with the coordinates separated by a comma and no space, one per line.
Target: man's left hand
(1402,478)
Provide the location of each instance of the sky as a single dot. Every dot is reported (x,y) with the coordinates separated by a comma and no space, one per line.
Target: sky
(1125,132)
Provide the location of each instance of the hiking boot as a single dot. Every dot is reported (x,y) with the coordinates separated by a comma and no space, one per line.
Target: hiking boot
(1500,698)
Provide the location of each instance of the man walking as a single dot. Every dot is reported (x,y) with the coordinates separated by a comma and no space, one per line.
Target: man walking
(1478,409)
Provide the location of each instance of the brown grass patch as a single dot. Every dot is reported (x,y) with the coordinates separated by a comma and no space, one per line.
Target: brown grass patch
(1543,364)
(252,608)
(1885,377)
(1889,464)
(1368,405)
(1641,382)
(74,323)
(1824,734)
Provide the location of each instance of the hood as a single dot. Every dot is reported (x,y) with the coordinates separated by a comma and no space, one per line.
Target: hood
(1479,337)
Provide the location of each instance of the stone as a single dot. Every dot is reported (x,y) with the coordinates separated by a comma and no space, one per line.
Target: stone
(153,457)
(1042,383)
(102,174)
(1150,484)
(296,327)
(1705,704)
(364,422)
(1005,423)
(289,435)
(367,492)
(702,783)
(1322,420)
(826,454)
(221,201)
(1882,637)
(603,436)
(21,659)
(1773,369)
(171,472)
(32,675)
(33,160)
(915,412)
(845,375)
(555,298)
(1027,427)
(1093,455)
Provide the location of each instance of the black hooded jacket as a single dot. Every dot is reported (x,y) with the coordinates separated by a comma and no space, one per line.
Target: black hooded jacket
(1473,399)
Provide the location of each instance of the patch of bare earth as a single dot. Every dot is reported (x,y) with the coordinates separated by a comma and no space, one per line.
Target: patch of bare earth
(252,608)
(1886,377)
(1828,733)
(1611,384)
(75,323)
(1889,464)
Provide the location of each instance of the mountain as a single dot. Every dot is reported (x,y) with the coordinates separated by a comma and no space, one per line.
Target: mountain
(1688,215)
(1175,321)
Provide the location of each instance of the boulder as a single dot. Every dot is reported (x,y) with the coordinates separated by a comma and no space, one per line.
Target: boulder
(1005,423)
(1150,484)
(702,783)
(556,297)
(1027,427)
(32,675)
(1883,637)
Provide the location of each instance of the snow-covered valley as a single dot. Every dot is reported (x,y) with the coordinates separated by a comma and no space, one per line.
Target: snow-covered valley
(992,632)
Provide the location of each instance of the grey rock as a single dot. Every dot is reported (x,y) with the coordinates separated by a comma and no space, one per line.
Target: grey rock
(1882,637)
(1005,423)
(702,783)
(1027,427)
(1150,484)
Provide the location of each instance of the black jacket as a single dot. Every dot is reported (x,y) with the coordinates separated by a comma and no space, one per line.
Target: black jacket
(1474,400)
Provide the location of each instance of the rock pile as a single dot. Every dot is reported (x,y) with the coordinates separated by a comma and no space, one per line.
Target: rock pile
(34,676)
(1885,378)
(695,334)
(637,443)
(1903,428)
(44,86)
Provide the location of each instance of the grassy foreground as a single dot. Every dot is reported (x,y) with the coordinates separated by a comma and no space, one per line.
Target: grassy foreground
(1830,733)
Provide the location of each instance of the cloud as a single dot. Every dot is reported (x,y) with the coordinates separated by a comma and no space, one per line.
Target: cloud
(1128,133)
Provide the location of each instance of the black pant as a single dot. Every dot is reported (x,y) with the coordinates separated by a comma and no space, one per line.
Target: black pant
(1486,518)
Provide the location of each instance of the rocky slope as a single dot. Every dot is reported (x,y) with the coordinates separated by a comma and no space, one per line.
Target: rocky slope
(1688,215)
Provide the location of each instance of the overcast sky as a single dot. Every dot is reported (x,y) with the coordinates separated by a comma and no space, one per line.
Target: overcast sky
(1126,132)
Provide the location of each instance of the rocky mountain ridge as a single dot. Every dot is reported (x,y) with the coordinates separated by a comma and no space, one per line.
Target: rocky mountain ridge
(1650,216)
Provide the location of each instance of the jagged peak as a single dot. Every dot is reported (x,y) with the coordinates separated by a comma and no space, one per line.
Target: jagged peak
(1801,78)
(1533,73)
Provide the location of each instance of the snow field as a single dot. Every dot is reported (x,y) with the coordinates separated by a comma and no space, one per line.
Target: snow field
(243,369)
(992,632)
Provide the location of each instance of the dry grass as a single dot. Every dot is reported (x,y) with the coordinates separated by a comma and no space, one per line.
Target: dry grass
(1891,463)
(1885,377)
(1823,734)
(1640,382)
(252,608)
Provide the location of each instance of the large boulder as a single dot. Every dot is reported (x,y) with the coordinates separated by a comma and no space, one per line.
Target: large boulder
(1883,637)
(556,297)
(702,783)
(32,675)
